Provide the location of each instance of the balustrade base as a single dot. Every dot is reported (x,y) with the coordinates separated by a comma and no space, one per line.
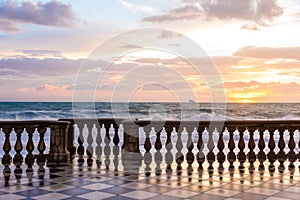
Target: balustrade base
(58,158)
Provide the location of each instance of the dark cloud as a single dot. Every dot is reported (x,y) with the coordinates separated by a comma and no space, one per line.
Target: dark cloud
(258,11)
(52,13)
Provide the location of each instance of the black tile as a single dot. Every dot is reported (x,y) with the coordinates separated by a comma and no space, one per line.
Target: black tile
(75,191)
(3,193)
(39,184)
(79,183)
(32,193)
(54,176)
(119,198)
(73,198)
(117,190)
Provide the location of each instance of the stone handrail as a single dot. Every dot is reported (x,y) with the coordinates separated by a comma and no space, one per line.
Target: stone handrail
(202,141)
(58,141)
(246,141)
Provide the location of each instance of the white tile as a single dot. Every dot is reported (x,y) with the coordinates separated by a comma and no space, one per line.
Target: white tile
(265,191)
(135,185)
(292,189)
(275,198)
(222,192)
(62,180)
(12,197)
(17,188)
(232,199)
(51,196)
(181,193)
(96,195)
(138,194)
(97,186)
(57,187)
(174,184)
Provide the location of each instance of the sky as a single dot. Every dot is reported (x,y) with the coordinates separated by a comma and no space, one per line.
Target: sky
(147,50)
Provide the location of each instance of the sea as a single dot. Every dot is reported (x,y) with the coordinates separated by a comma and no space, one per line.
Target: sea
(12,111)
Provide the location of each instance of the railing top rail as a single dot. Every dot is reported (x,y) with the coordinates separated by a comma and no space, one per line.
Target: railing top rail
(32,123)
(183,123)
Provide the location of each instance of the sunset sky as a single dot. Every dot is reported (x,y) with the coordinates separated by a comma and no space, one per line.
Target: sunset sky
(254,44)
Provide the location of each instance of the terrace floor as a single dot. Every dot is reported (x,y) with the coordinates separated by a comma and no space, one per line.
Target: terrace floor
(84,182)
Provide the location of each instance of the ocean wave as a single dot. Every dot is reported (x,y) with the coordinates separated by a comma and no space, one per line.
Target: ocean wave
(170,111)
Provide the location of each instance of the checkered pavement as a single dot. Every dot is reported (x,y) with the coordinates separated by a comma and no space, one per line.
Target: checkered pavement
(83,182)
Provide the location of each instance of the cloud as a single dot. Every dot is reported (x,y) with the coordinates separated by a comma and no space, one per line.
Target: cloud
(7,72)
(269,52)
(258,91)
(250,27)
(259,12)
(37,67)
(182,13)
(41,53)
(50,87)
(130,46)
(252,10)
(8,26)
(137,8)
(52,13)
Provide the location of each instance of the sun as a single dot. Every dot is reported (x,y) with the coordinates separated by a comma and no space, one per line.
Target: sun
(245,101)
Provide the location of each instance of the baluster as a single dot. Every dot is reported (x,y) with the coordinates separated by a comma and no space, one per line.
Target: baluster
(231,157)
(116,139)
(271,155)
(251,145)
(41,157)
(281,154)
(261,156)
(116,148)
(221,155)
(190,146)
(299,148)
(169,155)
(89,148)
(292,155)
(107,149)
(6,160)
(147,155)
(18,158)
(158,155)
(80,148)
(98,149)
(200,146)
(210,145)
(241,155)
(29,159)
(179,155)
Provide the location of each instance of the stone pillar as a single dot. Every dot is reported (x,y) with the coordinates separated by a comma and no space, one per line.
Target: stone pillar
(59,144)
(131,155)
(71,145)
